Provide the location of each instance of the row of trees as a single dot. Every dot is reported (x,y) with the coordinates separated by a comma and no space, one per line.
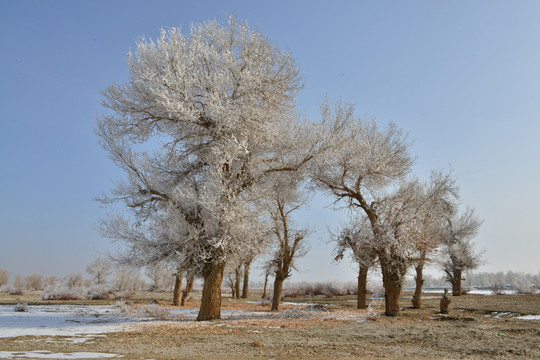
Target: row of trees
(123,279)
(217,160)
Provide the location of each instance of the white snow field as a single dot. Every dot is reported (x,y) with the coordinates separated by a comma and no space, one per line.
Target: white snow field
(60,320)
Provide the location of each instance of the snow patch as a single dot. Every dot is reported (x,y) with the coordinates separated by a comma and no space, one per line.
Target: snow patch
(61,320)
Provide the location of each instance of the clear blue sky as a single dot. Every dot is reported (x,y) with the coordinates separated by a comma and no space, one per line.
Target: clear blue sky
(462,77)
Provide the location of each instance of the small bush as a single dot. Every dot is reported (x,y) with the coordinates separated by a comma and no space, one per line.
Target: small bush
(329,289)
(15,291)
(21,307)
(62,293)
(98,292)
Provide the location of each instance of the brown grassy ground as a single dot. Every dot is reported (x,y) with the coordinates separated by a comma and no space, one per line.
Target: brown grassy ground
(470,331)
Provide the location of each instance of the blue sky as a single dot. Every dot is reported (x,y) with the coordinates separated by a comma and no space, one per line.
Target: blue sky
(461,77)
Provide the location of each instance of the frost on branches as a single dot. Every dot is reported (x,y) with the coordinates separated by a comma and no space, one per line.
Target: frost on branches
(356,238)
(367,170)
(288,242)
(458,252)
(202,122)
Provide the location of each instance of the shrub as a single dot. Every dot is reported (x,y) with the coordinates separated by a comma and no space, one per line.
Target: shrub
(15,291)
(21,307)
(329,289)
(61,293)
(376,288)
(98,292)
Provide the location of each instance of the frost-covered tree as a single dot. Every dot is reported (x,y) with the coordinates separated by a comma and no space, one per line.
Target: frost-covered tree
(428,204)
(356,238)
(216,108)
(34,282)
(18,282)
(269,268)
(73,280)
(368,170)
(362,170)
(289,242)
(162,276)
(127,280)
(99,269)
(190,282)
(248,260)
(52,281)
(239,262)
(401,231)
(4,277)
(458,251)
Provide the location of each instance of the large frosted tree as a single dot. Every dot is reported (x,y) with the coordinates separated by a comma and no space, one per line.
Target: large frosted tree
(368,170)
(362,170)
(202,122)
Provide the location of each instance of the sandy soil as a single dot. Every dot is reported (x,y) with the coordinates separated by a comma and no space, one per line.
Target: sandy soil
(477,327)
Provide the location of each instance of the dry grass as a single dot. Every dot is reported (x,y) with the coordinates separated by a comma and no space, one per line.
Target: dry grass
(469,331)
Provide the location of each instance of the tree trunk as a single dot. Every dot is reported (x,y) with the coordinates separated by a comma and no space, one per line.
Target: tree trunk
(245,287)
(417,297)
(211,293)
(456,283)
(278,289)
(392,287)
(237,274)
(231,285)
(265,284)
(445,302)
(362,287)
(189,286)
(177,293)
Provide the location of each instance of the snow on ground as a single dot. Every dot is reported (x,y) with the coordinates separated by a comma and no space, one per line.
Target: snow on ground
(508,314)
(472,291)
(60,320)
(81,323)
(282,303)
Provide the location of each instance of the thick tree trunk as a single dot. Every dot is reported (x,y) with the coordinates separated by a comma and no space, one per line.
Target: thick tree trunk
(445,302)
(265,284)
(245,287)
(417,297)
(456,283)
(278,289)
(237,274)
(211,293)
(177,293)
(189,286)
(392,287)
(362,287)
